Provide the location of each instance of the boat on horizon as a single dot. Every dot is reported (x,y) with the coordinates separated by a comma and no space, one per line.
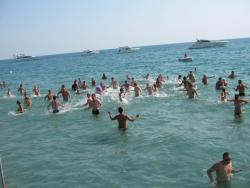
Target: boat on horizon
(89,52)
(208,44)
(127,49)
(23,57)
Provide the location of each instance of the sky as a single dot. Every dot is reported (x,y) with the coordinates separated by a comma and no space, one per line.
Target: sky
(43,27)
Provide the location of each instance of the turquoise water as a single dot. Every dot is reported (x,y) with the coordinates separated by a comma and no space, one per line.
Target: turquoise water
(171,145)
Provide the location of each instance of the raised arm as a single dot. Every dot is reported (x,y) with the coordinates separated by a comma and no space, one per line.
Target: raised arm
(132,118)
(112,118)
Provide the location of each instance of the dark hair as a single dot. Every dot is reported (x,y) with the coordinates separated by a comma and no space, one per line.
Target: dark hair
(54,97)
(240,81)
(18,102)
(226,154)
(236,96)
(120,109)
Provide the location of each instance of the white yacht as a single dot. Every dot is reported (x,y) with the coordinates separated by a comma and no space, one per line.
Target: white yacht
(208,44)
(186,59)
(23,57)
(89,52)
(126,49)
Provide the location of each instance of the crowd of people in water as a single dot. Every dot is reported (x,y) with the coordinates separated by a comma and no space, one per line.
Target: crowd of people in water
(130,84)
(222,168)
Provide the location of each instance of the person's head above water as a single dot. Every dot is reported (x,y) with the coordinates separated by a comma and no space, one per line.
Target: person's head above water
(120,109)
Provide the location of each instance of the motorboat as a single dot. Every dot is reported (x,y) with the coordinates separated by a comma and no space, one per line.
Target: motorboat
(185,58)
(23,57)
(126,49)
(207,44)
(89,52)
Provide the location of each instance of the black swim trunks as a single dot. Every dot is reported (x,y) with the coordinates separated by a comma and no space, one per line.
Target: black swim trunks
(55,111)
(96,112)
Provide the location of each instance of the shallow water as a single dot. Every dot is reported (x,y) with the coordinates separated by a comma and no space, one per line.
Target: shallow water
(171,145)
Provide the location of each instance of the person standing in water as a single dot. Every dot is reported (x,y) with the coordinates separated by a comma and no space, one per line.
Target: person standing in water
(232,75)
(205,79)
(237,105)
(224,170)
(9,94)
(21,89)
(96,105)
(49,95)
(54,105)
(19,108)
(65,93)
(27,100)
(121,94)
(122,118)
(223,95)
(241,88)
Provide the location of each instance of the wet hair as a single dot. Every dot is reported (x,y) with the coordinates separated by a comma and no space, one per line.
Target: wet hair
(120,109)
(236,96)
(223,89)
(54,97)
(220,78)
(225,155)
(18,102)
(121,89)
(240,81)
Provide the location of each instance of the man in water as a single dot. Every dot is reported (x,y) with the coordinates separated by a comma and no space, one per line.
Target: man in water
(36,91)
(89,101)
(232,75)
(27,100)
(49,95)
(121,94)
(237,105)
(21,89)
(114,83)
(65,93)
(241,87)
(122,118)
(223,169)
(126,86)
(137,90)
(54,105)
(191,92)
(9,94)
(96,105)
(149,89)
(191,77)
(205,79)
(20,108)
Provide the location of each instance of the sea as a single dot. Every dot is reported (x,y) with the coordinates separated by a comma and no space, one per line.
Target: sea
(172,144)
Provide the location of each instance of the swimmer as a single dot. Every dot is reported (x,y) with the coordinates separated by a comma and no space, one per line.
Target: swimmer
(104,77)
(223,95)
(93,82)
(121,94)
(122,118)
(137,90)
(9,94)
(133,82)
(36,91)
(19,108)
(219,84)
(149,89)
(114,83)
(184,83)
(232,75)
(191,77)
(21,89)
(27,100)
(49,95)
(3,85)
(205,79)
(241,88)
(191,92)
(84,85)
(96,105)
(126,86)
(146,76)
(74,86)
(237,105)
(65,93)
(99,90)
(224,170)
(54,105)
(179,79)
(89,101)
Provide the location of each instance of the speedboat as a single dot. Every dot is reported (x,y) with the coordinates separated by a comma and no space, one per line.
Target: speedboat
(23,57)
(89,52)
(207,44)
(186,59)
(126,49)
